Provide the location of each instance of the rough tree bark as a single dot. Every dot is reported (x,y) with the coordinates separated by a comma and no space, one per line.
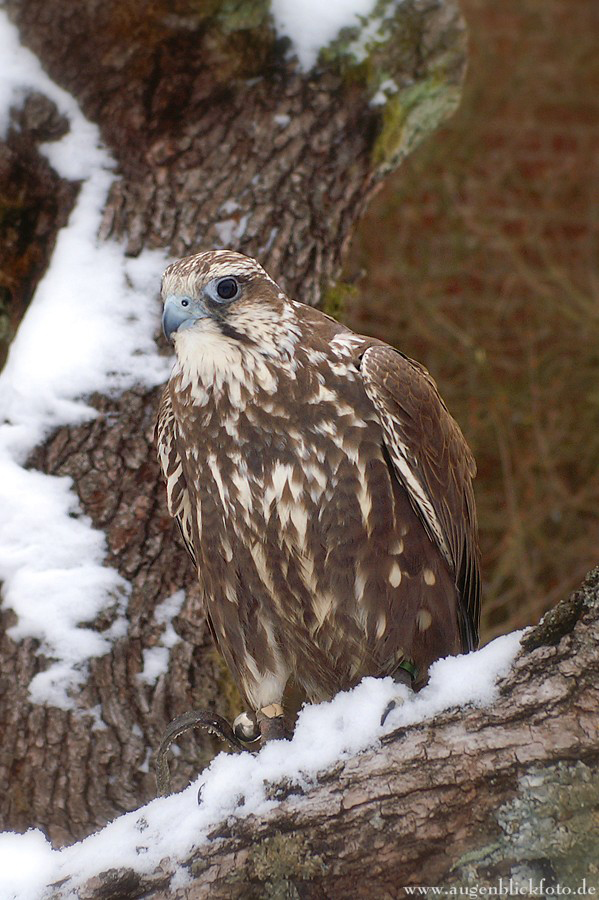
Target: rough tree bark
(511,792)
(210,121)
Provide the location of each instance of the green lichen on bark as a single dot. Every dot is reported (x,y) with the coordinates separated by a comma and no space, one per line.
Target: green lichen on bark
(276,866)
(233,15)
(240,36)
(335,297)
(407,57)
(410,57)
(281,860)
(242,15)
(237,36)
(410,116)
(547,831)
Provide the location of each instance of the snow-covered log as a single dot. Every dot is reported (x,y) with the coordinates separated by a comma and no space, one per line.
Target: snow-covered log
(501,791)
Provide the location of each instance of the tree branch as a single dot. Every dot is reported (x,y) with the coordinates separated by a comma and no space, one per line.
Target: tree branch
(508,791)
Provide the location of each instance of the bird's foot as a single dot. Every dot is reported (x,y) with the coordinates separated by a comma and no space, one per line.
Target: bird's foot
(197,718)
(267,724)
(271,722)
(401,676)
(391,705)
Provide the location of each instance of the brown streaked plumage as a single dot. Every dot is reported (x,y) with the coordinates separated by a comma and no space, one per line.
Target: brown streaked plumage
(321,487)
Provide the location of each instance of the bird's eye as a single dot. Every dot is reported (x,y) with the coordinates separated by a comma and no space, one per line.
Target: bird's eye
(184,302)
(227,288)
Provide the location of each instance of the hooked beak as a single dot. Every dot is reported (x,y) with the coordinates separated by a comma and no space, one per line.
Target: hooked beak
(179,313)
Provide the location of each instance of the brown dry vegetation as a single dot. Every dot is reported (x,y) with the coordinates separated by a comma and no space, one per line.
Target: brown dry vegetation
(481,255)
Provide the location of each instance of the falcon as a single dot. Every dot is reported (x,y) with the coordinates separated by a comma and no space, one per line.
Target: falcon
(321,487)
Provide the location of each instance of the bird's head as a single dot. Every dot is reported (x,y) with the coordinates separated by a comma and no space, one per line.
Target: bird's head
(219,291)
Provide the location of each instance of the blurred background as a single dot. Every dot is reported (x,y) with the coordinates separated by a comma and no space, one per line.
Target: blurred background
(482,253)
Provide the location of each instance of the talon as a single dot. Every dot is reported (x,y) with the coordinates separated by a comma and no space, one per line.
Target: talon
(389,708)
(197,718)
(403,675)
(246,727)
(393,704)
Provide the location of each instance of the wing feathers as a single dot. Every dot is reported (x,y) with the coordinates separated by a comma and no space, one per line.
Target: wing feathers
(433,462)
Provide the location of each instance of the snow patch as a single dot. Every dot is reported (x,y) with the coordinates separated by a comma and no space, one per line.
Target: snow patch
(313,24)
(386,90)
(238,785)
(27,864)
(90,327)
(459,681)
(156,659)
(164,614)
(230,231)
(374,32)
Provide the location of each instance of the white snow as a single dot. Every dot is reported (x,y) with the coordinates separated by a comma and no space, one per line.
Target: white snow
(374,32)
(231,228)
(27,864)
(386,89)
(89,327)
(156,659)
(230,231)
(313,24)
(236,785)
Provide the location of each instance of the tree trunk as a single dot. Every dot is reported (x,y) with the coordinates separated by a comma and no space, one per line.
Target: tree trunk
(508,792)
(219,139)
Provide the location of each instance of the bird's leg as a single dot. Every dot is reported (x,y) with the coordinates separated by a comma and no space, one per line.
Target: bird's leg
(271,722)
(267,723)
(404,674)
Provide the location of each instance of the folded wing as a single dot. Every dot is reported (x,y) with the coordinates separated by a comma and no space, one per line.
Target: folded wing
(434,464)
